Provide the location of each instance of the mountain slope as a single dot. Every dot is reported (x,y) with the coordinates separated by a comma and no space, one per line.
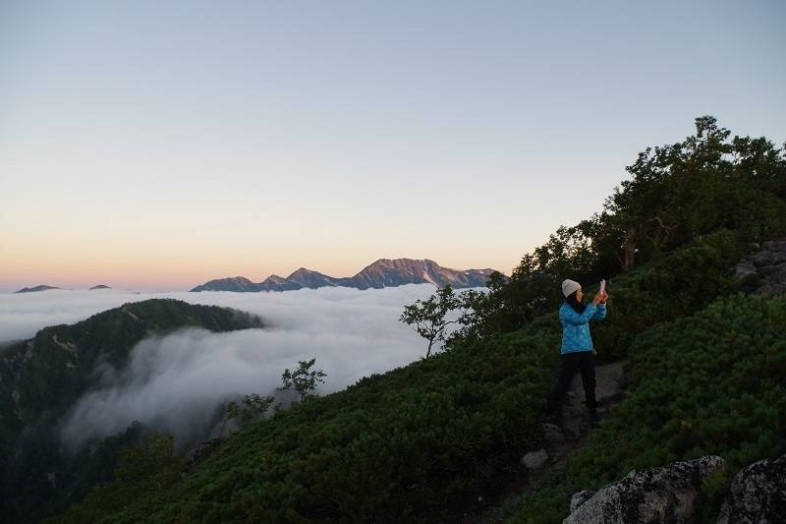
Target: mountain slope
(424,443)
(400,271)
(41,378)
(380,274)
(277,283)
(407,446)
(239,284)
(311,279)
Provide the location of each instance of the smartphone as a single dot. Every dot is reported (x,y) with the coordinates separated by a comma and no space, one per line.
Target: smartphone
(602,286)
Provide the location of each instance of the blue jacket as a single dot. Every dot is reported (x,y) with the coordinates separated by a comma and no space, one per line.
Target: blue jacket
(575,328)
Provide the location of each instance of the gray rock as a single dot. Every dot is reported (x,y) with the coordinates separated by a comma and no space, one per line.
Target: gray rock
(778,275)
(764,270)
(757,494)
(659,495)
(578,499)
(535,459)
(744,270)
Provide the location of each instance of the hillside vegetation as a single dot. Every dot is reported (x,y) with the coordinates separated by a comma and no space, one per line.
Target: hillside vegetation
(41,379)
(442,437)
(710,383)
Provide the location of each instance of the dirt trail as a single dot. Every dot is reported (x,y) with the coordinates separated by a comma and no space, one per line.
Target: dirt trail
(560,441)
(608,391)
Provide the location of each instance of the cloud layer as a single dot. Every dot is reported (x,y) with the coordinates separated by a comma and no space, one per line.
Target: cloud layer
(175,383)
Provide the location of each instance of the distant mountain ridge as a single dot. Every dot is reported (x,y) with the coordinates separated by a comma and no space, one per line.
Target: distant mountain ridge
(35,289)
(380,274)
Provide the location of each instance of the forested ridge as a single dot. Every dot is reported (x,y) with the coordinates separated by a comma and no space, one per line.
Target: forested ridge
(42,378)
(440,438)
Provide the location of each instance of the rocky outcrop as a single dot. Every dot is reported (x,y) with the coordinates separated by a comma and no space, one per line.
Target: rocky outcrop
(668,494)
(764,270)
(673,494)
(757,494)
(579,499)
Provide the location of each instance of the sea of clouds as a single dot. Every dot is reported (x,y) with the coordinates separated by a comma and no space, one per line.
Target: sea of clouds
(177,382)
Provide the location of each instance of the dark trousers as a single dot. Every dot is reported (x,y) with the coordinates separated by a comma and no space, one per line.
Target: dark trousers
(570,364)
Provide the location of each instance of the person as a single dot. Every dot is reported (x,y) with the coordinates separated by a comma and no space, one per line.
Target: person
(577,350)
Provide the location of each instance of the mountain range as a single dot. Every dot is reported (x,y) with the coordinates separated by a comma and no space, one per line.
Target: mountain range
(380,274)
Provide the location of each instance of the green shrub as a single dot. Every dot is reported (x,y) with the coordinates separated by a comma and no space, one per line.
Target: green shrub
(676,284)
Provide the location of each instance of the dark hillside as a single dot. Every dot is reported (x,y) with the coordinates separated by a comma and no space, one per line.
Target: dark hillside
(45,374)
(41,378)
(417,444)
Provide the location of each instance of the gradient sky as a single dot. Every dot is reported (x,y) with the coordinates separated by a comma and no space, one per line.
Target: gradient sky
(157,145)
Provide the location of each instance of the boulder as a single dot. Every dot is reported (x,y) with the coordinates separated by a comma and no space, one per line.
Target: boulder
(659,495)
(535,459)
(757,494)
(764,270)
(578,499)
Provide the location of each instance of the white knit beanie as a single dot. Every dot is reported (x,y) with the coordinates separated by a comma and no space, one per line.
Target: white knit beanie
(569,286)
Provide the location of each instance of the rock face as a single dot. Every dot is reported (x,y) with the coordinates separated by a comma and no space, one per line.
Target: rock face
(578,499)
(764,270)
(757,495)
(659,495)
(382,273)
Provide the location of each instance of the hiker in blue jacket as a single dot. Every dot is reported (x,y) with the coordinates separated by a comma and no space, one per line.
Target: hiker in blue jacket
(577,349)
